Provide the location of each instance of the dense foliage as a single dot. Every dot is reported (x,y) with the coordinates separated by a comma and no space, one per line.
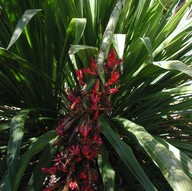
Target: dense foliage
(67,99)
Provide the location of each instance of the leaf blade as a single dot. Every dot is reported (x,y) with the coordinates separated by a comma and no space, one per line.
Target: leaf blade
(174,65)
(169,165)
(126,154)
(27,16)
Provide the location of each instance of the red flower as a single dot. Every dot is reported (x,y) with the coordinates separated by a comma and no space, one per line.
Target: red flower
(84,130)
(94,175)
(93,154)
(73,99)
(97,139)
(83,175)
(93,70)
(59,129)
(111,59)
(79,75)
(76,101)
(48,189)
(114,77)
(85,150)
(50,170)
(113,90)
(96,87)
(96,115)
(75,150)
(86,188)
(95,98)
(73,185)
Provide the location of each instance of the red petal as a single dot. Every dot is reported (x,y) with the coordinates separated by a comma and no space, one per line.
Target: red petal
(93,66)
(96,87)
(50,170)
(111,56)
(114,77)
(113,90)
(87,71)
(79,75)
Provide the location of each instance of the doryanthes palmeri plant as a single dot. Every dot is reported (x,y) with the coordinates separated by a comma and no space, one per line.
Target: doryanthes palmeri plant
(95,95)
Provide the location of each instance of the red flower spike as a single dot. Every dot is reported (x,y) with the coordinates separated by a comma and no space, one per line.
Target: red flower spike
(50,170)
(75,150)
(86,141)
(114,77)
(73,185)
(84,130)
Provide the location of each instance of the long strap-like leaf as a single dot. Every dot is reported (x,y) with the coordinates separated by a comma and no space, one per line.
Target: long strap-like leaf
(14,146)
(126,154)
(107,37)
(27,16)
(170,166)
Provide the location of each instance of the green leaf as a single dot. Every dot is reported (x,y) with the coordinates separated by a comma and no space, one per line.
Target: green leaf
(5,183)
(27,16)
(164,158)
(38,176)
(181,156)
(76,29)
(76,48)
(126,154)
(84,52)
(35,147)
(119,44)
(4,126)
(108,174)
(14,146)
(147,42)
(174,65)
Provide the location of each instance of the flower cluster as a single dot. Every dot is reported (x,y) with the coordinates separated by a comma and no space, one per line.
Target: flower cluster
(79,138)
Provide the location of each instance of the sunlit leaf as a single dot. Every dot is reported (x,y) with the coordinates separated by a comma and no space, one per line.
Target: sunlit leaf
(27,16)
(174,65)
(76,28)
(126,154)
(148,45)
(107,172)
(170,166)
(14,146)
